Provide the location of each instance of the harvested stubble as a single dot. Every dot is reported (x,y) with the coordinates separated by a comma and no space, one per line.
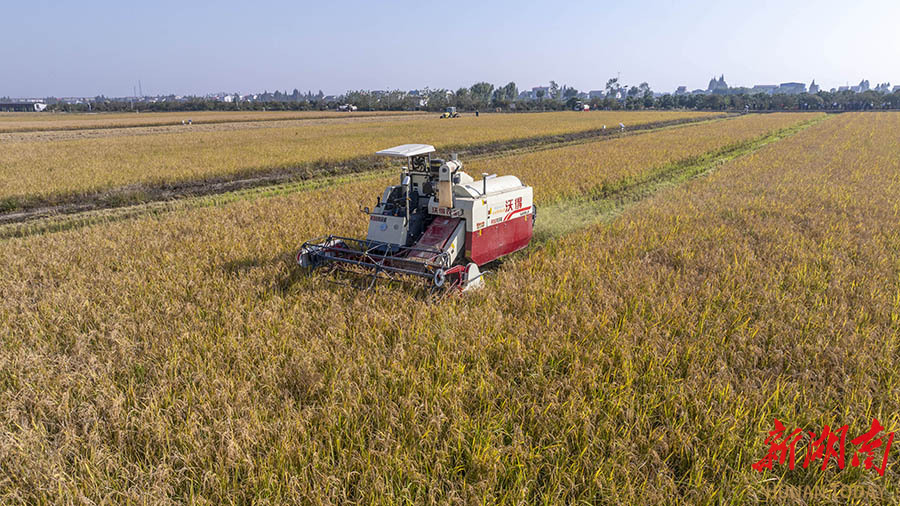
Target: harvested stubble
(183,358)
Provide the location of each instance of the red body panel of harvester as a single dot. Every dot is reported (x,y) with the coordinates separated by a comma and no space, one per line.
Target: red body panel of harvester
(491,243)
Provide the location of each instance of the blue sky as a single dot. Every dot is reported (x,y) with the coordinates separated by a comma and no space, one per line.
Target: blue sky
(104,46)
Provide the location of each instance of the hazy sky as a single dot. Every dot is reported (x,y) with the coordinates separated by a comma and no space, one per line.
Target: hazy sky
(104,46)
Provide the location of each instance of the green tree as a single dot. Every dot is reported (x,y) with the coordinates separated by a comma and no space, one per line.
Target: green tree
(646,94)
(512,91)
(554,90)
(612,87)
(462,98)
(481,94)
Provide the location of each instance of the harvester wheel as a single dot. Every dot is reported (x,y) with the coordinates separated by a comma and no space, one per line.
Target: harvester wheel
(306,259)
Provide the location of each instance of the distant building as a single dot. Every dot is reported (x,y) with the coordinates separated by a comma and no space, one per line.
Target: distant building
(883,87)
(717,85)
(813,87)
(791,88)
(764,88)
(843,88)
(861,87)
(896,89)
(596,94)
(22,106)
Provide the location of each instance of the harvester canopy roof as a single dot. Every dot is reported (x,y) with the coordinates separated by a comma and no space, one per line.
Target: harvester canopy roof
(405,150)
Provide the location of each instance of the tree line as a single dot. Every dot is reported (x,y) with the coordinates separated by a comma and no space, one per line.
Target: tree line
(484,96)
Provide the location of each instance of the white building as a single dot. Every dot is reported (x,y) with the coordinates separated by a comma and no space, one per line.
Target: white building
(541,92)
(791,88)
(764,88)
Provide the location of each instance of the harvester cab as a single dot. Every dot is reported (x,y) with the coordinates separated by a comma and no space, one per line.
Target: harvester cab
(438,223)
(400,213)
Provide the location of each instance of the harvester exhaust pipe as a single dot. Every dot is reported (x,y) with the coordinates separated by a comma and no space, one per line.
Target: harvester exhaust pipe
(405,183)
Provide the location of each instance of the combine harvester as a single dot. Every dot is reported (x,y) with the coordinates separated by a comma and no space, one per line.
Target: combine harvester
(438,223)
(450,112)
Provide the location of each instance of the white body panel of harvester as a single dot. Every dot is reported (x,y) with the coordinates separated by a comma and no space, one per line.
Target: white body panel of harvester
(506,199)
(387,229)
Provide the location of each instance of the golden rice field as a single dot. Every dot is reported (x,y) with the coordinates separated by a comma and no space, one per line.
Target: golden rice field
(770,289)
(183,358)
(209,126)
(30,122)
(29,169)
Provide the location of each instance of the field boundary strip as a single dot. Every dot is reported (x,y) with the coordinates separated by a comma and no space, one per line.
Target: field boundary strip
(22,208)
(603,203)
